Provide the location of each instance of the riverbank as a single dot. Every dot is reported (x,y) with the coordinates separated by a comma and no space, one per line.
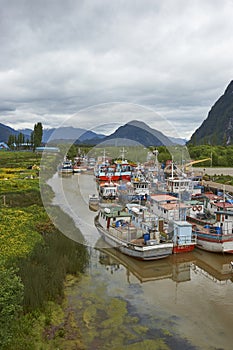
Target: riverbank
(213,171)
(35,259)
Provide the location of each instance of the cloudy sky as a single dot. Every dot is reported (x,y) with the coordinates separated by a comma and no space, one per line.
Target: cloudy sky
(99,63)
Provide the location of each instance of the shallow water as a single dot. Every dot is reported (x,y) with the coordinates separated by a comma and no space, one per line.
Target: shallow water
(186,300)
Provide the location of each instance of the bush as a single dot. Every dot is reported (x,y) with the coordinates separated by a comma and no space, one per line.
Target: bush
(11,296)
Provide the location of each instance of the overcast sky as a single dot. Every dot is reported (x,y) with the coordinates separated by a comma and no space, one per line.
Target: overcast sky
(173,58)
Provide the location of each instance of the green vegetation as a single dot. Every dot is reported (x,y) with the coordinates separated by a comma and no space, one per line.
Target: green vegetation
(11,295)
(35,256)
(222,156)
(18,160)
(21,142)
(36,136)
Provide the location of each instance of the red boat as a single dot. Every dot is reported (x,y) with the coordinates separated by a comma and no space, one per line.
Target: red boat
(120,170)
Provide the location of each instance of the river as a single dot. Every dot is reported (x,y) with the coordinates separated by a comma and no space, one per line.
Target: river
(186,300)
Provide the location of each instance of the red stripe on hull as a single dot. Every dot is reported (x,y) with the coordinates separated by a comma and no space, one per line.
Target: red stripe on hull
(183,249)
(126,177)
(106,178)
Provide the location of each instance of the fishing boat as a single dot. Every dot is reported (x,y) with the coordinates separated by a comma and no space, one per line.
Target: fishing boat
(117,229)
(179,232)
(215,235)
(120,170)
(108,190)
(93,202)
(65,168)
(141,185)
(214,238)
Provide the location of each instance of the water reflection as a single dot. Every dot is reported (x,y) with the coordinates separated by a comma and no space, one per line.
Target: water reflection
(176,267)
(218,267)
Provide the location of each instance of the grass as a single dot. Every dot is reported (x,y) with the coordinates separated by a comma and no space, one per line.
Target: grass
(34,248)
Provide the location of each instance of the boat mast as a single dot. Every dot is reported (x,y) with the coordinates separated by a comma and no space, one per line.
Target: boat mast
(123,151)
(104,156)
(172,168)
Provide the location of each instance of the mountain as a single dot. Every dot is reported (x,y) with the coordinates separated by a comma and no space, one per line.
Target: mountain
(134,132)
(5,132)
(178,141)
(137,132)
(26,132)
(217,128)
(70,133)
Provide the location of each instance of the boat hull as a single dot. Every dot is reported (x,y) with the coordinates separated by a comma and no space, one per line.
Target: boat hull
(93,206)
(183,248)
(106,177)
(222,244)
(93,203)
(145,252)
(114,177)
(64,172)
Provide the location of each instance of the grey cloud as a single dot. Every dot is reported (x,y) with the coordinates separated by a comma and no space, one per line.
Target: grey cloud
(60,57)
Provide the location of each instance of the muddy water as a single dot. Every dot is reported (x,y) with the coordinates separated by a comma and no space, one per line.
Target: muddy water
(187,300)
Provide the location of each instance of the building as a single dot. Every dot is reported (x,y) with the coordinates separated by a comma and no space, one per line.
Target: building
(4,146)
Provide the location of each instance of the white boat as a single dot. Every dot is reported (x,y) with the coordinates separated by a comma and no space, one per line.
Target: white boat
(215,236)
(141,185)
(66,168)
(179,232)
(108,190)
(214,239)
(116,227)
(93,202)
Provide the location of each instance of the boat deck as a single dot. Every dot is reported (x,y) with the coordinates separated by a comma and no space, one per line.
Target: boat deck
(126,233)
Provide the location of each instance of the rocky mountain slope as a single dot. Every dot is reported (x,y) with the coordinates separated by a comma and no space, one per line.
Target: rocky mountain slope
(217,128)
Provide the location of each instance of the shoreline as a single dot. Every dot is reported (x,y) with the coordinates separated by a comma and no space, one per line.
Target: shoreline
(213,171)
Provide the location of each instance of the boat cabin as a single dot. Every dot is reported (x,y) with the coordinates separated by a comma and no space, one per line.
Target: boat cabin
(224,217)
(108,191)
(168,207)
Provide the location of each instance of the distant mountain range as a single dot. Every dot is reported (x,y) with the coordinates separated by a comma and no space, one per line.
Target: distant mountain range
(217,128)
(5,132)
(134,132)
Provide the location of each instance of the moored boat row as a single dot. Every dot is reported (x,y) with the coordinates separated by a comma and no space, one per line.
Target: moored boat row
(177,208)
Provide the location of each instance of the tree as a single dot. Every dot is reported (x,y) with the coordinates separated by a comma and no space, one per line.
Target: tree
(11,141)
(72,152)
(36,135)
(21,139)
